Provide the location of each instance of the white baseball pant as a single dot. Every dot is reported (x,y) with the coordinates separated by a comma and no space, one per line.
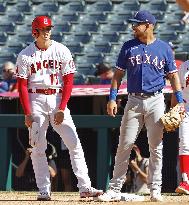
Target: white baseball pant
(43,110)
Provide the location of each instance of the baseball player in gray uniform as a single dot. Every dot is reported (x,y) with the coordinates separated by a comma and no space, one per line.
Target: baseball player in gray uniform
(147,61)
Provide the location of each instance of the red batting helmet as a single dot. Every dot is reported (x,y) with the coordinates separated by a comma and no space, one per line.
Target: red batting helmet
(40,22)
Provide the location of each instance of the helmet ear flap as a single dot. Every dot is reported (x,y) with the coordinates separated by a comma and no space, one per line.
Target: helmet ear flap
(35,33)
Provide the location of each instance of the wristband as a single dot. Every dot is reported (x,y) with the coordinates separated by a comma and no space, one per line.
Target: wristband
(113,94)
(178,95)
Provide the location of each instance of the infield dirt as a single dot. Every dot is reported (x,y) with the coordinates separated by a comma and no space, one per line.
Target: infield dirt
(72,198)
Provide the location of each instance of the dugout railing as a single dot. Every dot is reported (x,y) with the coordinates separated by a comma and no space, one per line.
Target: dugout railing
(99,122)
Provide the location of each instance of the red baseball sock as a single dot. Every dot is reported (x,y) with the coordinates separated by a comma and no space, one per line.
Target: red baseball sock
(184,166)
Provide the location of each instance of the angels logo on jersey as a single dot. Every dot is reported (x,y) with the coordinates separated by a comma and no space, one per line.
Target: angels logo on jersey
(48,64)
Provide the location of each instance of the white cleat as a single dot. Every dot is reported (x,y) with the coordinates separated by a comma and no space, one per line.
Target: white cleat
(131,197)
(156,196)
(110,195)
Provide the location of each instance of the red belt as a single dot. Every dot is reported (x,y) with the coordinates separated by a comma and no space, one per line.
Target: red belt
(48,91)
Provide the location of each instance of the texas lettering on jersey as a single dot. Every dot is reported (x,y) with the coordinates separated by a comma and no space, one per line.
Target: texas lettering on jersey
(147,59)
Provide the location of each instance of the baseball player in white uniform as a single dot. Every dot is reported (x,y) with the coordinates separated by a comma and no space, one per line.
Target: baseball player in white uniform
(184,130)
(45,71)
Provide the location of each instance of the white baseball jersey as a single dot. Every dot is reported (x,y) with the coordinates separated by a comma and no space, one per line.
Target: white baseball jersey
(184,79)
(45,68)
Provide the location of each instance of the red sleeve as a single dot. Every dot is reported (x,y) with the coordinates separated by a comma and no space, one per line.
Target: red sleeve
(23,93)
(66,90)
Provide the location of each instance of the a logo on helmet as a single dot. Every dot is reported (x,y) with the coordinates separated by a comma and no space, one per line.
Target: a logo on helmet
(45,21)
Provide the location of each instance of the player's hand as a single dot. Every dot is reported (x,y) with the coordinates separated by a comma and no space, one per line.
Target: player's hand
(28,153)
(28,120)
(112,108)
(133,165)
(58,117)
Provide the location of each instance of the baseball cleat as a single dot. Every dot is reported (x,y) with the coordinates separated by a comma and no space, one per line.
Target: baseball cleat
(44,196)
(90,192)
(183,188)
(156,196)
(110,195)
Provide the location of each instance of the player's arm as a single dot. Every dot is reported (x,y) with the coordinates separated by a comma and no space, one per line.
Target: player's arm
(176,86)
(115,84)
(66,93)
(24,99)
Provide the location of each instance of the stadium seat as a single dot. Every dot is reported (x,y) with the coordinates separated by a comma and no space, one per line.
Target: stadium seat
(3,38)
(111,59)
(94,16)
(7,27)
(75,6)
(115,48)
(97,48)
(105,37)
(14,43)
(86,68)
(173,7)
(70,16)
(113,26)
(183,47)
(170,26)
(133,5)
(24,27)
(16,18)
(24,37)
(11,2)
(119,16)
(2,8)
(12,50)
(46,8)
(158,14)
(125,36)
(84,27)
(28,19)
(88,59)
(176,16)
(21,7)
(183,37)
(155,5)
(75,47)
(83,37)
(6,57)
(57,36)
(143,1)
(40,1)
(158,5)
(99,6)
(61,27)
(167,35)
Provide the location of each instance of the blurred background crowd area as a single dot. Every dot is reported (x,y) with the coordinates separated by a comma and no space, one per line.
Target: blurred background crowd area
(93,30)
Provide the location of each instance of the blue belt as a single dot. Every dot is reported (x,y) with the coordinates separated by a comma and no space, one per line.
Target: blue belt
(146,95)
